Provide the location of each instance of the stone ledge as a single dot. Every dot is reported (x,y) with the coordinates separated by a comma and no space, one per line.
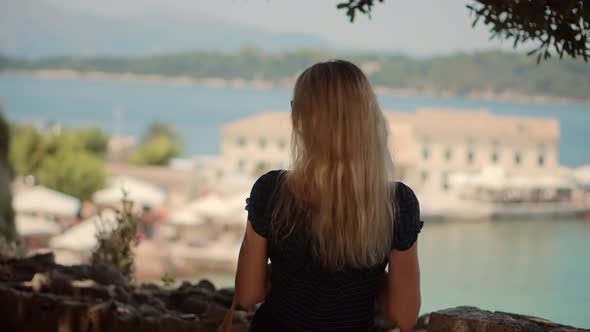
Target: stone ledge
(462,319)
(38,295)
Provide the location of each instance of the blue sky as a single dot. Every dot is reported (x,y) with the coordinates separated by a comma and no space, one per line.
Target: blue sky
(417,27)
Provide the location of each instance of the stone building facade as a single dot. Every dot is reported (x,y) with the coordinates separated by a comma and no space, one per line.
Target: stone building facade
(428,145)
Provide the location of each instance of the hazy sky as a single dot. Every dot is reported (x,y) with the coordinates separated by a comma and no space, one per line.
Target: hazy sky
(419,27)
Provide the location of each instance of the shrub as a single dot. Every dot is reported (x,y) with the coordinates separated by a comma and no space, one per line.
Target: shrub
(115,245)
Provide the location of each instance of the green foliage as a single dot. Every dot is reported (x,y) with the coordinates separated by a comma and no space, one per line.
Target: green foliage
(8,234)
(563,25)
(501,72)
(115,245)
(26,152)
(168,280)
(4,136)
(157,151)
(94,141)
(77,173)
(160,144)
(7,224)
(159,129)
(69,161)
(362,6)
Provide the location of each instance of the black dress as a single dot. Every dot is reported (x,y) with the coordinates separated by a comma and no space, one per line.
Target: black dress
(305,297)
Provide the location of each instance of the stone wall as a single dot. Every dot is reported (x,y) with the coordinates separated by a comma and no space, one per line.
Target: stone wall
(477,320)
(38,295)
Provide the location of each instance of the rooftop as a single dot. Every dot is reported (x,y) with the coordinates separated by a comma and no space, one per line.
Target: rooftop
(426,121)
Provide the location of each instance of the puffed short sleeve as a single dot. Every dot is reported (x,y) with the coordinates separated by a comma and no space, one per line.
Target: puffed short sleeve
(258,204)
(407,225)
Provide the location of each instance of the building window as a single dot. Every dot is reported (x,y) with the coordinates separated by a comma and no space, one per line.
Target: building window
(470,156)
(241,141)
(262,143)
(541,156)
(517,158)
(494,157)
(424,176)
(241,165)
(445,181)
(282,144)
(425,153)
(448,154)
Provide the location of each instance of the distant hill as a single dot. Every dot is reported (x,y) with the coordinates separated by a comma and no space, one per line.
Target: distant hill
(34,28)
(489,75)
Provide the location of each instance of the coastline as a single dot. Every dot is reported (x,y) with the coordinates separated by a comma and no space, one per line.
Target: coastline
(286,84)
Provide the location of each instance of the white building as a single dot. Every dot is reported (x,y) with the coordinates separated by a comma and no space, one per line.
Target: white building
(45,201)
(427,145)
(257,142)
(123,187)
(82,236)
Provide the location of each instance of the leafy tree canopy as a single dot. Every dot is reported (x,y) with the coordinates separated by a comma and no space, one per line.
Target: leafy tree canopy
(160,129)
(65,160)
(562,26)
(26,149)
(94,141)
(160,143)
(76,173)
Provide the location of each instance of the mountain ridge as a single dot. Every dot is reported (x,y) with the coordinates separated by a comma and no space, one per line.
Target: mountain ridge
(39,29)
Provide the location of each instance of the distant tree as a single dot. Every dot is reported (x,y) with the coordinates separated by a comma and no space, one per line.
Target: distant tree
(559,25)
(157,151)
(75,172)
(26,150)
(508,73)
(160,143)
(160,129)
(94,140)
(69,161)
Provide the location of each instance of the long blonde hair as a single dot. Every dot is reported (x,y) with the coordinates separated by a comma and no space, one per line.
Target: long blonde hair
(341,168)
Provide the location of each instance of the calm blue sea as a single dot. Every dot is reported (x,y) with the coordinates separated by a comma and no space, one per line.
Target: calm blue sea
(536,267)
(199,112)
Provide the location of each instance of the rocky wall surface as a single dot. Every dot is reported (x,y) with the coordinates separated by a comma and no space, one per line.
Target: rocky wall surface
(478,320)
(38,295)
